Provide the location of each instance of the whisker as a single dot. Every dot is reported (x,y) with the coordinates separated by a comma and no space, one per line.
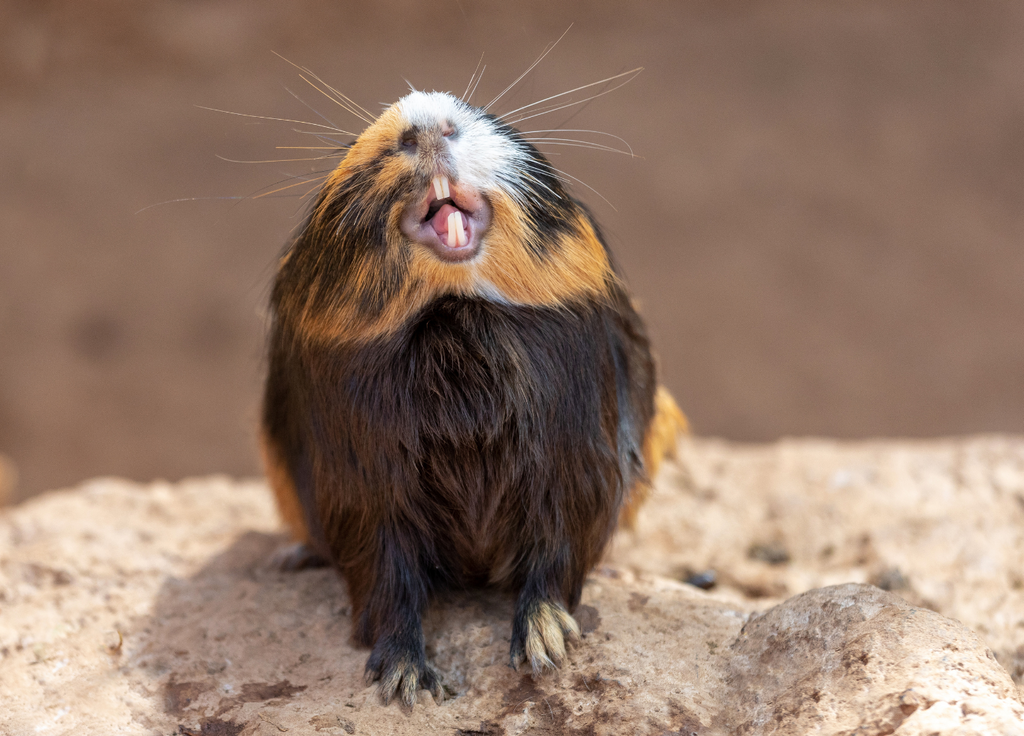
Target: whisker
(344,103)
(468,93)
(582,130)
(580,181)
(279,120)
(633,72)
(473,91)
(276,160)
(547,50)
(185,199)
(237,199)
(301,180)
(568,104)
(343,100)
(552,172)
(322,137)
(314,110)
(312,189)
(579,144)
(554,107)
(531,177)
(564,177)
(369,116)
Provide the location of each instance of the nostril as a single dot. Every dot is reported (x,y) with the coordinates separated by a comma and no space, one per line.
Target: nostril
(448,130)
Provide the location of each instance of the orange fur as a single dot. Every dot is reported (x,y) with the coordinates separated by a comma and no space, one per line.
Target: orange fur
(576,270)
(659,442)
(280,480)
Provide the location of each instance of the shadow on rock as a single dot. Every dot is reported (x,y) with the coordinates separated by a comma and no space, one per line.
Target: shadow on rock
(240,635)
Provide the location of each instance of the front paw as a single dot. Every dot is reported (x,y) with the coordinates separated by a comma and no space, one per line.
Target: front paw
(539,633)
(402,671)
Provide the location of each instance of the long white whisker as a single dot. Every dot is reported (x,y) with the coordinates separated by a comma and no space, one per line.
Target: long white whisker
(468,94)
(547,50)
(552,172)
(237,199)
(580,181)
(537,181)
(344,103)
(277,160)
(185,199)
(578,143)
(476,84)
(569,104)
(279,120)
(313,109)
(322,137)
(301,180)
(608,201)
(633,72)
(352,106)
(581,130)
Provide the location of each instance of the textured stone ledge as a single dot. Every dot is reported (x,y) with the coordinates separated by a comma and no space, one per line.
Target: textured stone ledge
(152,610)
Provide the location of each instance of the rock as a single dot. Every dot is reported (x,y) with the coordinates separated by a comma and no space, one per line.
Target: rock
(153,610)
(940,523)
(855,659)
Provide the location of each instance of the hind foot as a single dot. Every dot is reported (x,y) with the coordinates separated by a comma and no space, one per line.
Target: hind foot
(540,631)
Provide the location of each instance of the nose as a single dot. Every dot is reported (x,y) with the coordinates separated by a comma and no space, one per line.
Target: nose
(434,149)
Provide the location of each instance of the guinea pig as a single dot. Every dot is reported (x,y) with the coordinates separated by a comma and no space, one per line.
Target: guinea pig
(460,392)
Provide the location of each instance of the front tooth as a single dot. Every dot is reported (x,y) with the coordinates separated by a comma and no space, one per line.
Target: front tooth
(453,228)
(439,188)
(445,188)
(460,231)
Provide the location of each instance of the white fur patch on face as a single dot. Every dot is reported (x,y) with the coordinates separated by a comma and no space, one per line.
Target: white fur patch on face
(483,157)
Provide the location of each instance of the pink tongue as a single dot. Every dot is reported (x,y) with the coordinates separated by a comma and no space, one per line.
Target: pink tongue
(440,222)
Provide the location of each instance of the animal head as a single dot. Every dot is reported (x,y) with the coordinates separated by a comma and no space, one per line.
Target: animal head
(437,197)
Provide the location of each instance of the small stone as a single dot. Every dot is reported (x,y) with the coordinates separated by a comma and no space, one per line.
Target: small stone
(891,579)
(704,580)
(774,553)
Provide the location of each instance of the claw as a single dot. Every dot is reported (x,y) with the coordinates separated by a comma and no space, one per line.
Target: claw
(548,626)
(405,678)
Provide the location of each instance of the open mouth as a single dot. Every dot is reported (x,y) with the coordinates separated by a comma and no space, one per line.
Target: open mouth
(449,219)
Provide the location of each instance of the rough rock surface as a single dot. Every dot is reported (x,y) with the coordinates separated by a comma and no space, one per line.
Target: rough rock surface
(152,609)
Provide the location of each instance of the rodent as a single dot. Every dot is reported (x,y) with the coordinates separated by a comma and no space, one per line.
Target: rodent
(460,392)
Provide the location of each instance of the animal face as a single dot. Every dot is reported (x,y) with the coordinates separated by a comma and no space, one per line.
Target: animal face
(438,197)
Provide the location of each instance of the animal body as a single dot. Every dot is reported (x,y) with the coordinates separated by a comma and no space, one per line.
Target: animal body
(460,392)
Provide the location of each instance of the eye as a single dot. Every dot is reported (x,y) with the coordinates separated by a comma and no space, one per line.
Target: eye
(409,139)
(449,130)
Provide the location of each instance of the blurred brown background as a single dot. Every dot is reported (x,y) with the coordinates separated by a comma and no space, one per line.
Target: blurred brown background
(824,227)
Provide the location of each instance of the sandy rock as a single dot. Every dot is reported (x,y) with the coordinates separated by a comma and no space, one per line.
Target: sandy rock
(849,657)
(939,523)
(153,610)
